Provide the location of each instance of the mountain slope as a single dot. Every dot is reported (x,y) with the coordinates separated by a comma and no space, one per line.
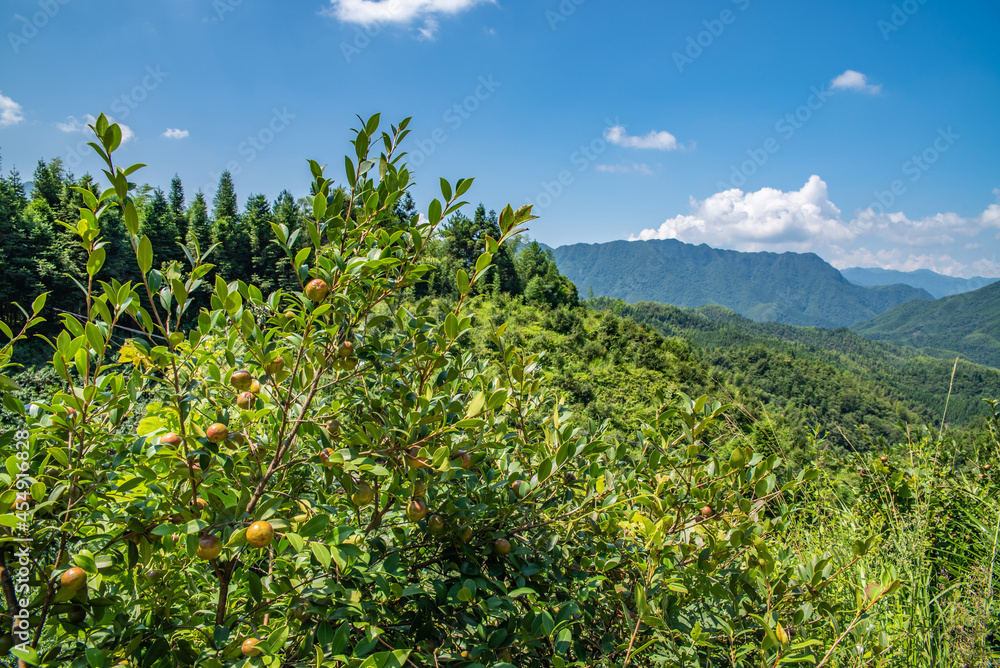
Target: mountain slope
(936,284)
(966,324)
(792,288)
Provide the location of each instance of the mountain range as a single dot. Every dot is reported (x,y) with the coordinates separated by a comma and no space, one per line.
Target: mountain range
(792,288)
(967,324)
(934,283)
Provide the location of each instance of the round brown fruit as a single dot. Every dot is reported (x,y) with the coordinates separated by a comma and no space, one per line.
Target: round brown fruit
(301,612)
(201,503)
(317,290)
(255,386)
(244,400)
(501,546)
(416,510)
(435,523)
(74,579)
(414,459)
(260,534)
(172,439)
(363,495)
(324,456)
(238,438)
(346,350)
(419,488)
(464,459)
(217,433)
(209,547)
(332,427)
(465,534)
(249,647)
(707,512)
(275,366)
(241,380)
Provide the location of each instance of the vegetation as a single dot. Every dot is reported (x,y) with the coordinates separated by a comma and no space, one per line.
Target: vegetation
(792,288)
(415,448)
(936,284)
(966,324)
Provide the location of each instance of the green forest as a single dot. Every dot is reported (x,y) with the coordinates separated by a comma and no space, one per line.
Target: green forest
(342,430)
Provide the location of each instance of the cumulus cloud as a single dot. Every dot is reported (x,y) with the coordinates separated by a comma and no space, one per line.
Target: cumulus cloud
(368,12)
(656,140)
(173,133)
(768,219)
(624,168)
(10,112)
(806,220)
(74,124)
(856,81)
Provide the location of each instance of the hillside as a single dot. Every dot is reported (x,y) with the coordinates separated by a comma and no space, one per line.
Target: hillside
(792,288)
(936,284)
(966,324)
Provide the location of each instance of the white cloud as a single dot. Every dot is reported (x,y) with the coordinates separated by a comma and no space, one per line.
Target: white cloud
(658,140)
(74,124)
(368,12)
(641,168)
(807,220)
(10,112)
(856,81)
(768,219)
(172,133)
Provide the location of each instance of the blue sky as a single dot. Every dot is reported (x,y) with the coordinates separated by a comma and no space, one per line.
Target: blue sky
(862,131)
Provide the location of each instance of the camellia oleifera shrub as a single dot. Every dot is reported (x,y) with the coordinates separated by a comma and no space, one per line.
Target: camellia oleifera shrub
(326,478)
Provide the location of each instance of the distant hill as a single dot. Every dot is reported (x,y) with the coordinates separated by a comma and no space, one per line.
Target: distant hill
(966,324)
(936,284)
(791,288)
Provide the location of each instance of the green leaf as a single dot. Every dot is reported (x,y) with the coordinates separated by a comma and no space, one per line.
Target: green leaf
(462,278)
(95,261)
(445,189)
(322,554)
(434,212)
(39,303)
(145,254)
(451,326)
(8,385)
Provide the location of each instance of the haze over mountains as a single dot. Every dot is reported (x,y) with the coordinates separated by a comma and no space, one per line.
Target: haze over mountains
(934,283)
(792,288)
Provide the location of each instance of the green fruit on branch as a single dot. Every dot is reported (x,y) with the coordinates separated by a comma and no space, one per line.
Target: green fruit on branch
(217,433)
(346,350)
(201,503)
(236,438)
(6,643)
(363,495)
(249,647)
(332,427)
(501,546)
(260,534)
(301,612)
(275,366)
(416,510)
(245,400)
(414,459)
(255,386)
(419,489)
(74,579)
(435,523)
(77,615)
(316,290)
(209,547)
(241,380)
(465,534)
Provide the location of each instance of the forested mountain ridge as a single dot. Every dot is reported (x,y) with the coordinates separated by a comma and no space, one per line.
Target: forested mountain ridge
(792,288)
(936,284)
(967,324)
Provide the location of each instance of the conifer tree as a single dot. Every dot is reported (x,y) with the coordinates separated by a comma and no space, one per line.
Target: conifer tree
(199,230)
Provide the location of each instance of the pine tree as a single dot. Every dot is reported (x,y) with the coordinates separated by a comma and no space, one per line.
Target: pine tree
(177,212)
(264,253)
(225,205)
(287,212)
(48,183)
(199,232)
(158,225)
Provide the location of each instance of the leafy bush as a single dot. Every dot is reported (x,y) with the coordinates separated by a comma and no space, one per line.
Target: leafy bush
(325,477)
